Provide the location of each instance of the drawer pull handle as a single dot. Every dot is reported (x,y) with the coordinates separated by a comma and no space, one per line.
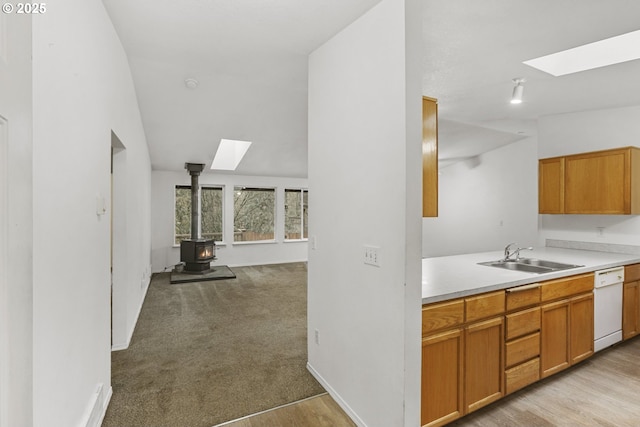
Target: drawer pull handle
(524,288)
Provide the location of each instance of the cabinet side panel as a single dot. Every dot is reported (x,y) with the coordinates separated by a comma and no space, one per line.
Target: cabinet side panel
(635,181)
(429,157)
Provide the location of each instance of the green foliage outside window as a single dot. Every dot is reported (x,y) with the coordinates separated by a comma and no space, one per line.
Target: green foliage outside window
(295,214)
(254,214)
(210,213)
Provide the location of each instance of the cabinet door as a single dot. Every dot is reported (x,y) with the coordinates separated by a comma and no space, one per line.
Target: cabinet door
(598,183)
(484,369)
(631,310)
(442,364)
(581,327)
(554,338)
(551,186)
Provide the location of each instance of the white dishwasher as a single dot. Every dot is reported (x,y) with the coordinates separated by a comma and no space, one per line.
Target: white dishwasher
(608,307)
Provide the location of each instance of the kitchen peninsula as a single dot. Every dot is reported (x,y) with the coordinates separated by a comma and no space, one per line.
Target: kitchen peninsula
(488,331)
(455,276)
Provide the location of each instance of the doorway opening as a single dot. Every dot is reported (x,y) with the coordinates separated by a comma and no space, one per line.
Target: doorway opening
(118,244)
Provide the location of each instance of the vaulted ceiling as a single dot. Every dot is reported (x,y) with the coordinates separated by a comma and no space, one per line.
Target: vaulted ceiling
(249,58)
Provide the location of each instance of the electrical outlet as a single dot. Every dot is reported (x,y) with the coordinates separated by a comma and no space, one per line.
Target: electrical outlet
(372,255)
(317,337)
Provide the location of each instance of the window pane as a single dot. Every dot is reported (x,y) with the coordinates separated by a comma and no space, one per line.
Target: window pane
(211,213)
(292,215)
(182,214)
(253,214)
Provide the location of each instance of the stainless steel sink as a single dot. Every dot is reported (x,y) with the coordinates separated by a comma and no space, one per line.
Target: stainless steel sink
(530,265)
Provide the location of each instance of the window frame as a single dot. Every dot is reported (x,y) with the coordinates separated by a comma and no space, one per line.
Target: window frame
(301,191)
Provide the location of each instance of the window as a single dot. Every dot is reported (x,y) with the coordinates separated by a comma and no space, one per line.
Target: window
(253,214)
(182,214)
(296,214)
(210,213)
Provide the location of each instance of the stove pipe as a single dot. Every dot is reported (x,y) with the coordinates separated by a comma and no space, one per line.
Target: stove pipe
(194,170)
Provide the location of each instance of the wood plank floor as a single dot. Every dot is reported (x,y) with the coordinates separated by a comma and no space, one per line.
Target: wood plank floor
(319,411)
(604,390)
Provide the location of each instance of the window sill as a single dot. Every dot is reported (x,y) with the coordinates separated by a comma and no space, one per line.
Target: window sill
(217,245)
(296,240)
(254,242)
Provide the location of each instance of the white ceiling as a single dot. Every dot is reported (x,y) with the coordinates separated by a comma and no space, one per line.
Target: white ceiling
(250,58)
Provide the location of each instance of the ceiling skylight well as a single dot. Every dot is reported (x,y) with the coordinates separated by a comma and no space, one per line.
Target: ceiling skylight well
(229,154)
(614,50)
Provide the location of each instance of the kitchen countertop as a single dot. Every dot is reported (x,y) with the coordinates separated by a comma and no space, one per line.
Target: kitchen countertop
(455,276)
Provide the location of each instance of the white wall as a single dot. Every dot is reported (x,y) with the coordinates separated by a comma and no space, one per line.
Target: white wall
(486,203)
(581,132)
(365,189)
(82,91)
(16,229)
(165,254)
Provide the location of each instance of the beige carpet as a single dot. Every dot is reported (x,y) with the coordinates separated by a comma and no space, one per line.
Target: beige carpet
(208,352)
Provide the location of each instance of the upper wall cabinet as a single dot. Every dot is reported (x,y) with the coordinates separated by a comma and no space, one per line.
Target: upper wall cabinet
(429,157)
(600,182)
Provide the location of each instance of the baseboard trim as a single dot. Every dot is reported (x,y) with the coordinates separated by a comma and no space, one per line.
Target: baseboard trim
(334,394)
(96,407)
(125,345)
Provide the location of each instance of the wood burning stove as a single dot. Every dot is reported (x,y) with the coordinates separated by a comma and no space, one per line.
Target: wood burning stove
(196,253)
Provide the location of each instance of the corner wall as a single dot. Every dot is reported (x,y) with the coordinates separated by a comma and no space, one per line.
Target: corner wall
(582,132)
(16,227)
(82,92)
(165,254)
(365,189)
(486,203)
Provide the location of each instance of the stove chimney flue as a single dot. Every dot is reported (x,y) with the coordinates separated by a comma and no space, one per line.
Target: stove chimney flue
(194,170)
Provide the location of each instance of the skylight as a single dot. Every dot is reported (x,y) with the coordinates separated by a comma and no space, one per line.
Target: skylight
(614,50)
(229,154)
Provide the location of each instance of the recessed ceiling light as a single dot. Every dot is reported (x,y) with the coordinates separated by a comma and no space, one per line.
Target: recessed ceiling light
(614,50)
(230,153)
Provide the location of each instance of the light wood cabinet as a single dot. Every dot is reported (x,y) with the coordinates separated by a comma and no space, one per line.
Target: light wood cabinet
(429,157)
(477,349)
(483,373)
(442,378)
(522,337)
(581,327)
(631,302)
(566,333)
(554,343)
(462,356)
(551,186)
(599,182)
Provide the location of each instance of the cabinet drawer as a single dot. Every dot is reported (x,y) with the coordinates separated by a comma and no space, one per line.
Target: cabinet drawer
(561,288)
(517,351)
(523,296)
(444,315)
(523,322)
(483,306)
(632,273)
(522,375)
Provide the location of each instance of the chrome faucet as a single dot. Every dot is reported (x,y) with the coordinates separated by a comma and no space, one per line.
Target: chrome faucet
(509,255)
